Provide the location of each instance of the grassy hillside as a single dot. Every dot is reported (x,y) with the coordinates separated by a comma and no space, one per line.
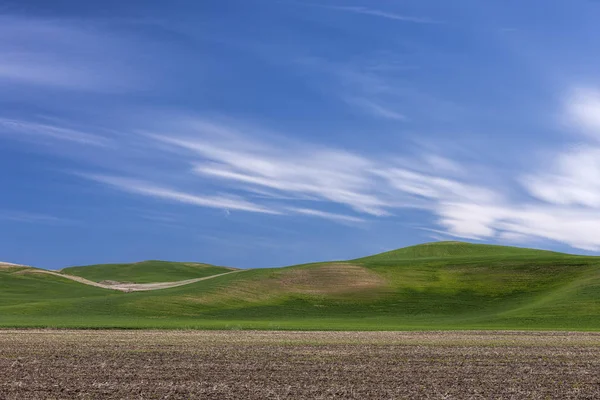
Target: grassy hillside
(145,271)
(31,291)
(433,286)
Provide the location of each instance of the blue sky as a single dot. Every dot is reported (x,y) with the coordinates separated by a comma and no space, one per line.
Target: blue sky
(259,133)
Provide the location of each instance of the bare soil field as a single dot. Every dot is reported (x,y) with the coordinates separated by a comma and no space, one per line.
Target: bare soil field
(53,364)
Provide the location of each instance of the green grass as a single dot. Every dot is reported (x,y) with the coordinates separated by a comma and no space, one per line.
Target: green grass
(447,285)
(453,249)
(29,291)
(145,271)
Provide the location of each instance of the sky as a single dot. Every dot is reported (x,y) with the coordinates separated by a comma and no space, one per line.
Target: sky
(260,133)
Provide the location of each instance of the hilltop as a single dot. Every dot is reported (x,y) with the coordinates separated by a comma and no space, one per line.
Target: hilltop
(447,249)
(151,271)
(6,265)
(443,285)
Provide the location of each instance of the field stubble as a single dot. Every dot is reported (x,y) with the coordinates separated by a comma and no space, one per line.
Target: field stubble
(52,364)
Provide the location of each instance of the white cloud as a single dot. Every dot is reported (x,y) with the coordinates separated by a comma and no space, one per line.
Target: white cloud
(64,54)
(148,189)
(28,129)
(469,220)
(583,109)
(434,187)
(513,237)
(441,164)
(327,174)
(575,227)
(381,14)
(326,215)
(28,217)
(371,86)
(573,178)
(566,186)
(373,108)
(277,176)
(371,186)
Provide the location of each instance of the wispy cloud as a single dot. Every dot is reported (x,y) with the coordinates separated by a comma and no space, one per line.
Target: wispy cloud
(583,110)
(373,87)
(275,175)
(373,108)
(326,215)
(327,174)
(151,190)
(566,187)
(381,14)
(66,54)
(233,166)
(572,176)
(220,202)
(28,129)
(567,191)
(575,227)
(29,217)
(370,186)
(433,187)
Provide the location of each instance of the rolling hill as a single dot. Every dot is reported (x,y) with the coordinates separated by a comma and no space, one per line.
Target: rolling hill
(32,290)
(453,249)
(443,285)
(146,271)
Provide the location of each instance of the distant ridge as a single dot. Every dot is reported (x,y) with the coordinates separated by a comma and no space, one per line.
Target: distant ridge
(453,249)
(7,264)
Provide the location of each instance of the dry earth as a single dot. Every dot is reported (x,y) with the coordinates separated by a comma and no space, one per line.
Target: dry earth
(298,365)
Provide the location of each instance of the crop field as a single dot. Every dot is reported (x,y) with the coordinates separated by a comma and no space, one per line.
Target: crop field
(55,364)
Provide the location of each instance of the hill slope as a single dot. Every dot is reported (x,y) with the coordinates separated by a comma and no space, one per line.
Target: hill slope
(32,290)
(455,288)
(146,271)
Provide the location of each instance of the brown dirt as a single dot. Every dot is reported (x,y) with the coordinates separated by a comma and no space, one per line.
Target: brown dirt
(338,281)
(331,279)
(298,365)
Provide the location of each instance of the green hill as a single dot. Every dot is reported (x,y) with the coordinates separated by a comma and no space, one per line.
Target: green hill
(32,291)
(145,271)
(454,249)
(446,285)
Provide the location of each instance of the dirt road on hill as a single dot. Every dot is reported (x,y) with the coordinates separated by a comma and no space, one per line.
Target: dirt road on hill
(127,287)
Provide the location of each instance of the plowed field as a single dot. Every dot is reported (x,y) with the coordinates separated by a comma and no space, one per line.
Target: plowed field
(51,364)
